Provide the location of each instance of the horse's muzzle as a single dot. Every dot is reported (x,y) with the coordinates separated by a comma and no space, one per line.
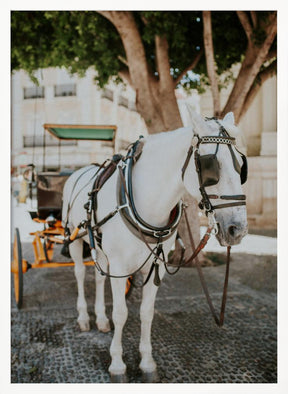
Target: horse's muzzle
(232,233)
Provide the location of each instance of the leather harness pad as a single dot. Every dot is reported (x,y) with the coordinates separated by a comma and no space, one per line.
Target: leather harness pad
(131,216)
(106,173)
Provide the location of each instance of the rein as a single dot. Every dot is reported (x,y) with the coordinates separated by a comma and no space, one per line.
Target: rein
(219,321)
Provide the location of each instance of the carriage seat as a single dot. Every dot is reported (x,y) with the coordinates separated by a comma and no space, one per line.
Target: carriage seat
(49,193)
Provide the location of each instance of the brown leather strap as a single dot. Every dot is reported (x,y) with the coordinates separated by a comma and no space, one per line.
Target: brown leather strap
(232,197)
(228,205)
(219,321)
(188,157)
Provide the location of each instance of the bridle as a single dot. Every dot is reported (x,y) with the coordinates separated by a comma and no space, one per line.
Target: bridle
(207,167)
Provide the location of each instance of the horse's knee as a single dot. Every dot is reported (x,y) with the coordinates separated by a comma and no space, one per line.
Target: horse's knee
(76,250)
(99,279)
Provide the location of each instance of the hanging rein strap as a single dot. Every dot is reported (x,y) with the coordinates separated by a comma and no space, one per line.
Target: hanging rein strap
(219,321)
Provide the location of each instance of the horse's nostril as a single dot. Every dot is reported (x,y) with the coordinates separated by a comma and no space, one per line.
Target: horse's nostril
(232,230)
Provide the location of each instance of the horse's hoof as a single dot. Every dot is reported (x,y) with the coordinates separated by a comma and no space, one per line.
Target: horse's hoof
(150,377)
(84,325)
(103,326)
(119,378)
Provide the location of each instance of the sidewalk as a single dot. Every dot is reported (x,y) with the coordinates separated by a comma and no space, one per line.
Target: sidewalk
(48,347)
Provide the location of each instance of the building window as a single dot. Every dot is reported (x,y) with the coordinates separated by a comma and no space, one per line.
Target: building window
(123,101)
(34,92)
(30,141)
(65,89)
(108,94)
(132,106)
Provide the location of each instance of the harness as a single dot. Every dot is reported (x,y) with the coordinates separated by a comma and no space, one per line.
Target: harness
(207,167)
(129,212)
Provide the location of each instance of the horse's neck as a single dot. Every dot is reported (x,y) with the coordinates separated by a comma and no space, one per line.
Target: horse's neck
(157,183)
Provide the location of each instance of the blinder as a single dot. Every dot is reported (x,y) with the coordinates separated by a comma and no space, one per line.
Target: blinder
(209,169)
(244,169)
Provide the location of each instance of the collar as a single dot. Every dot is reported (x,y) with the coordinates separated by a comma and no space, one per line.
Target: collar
(128,210)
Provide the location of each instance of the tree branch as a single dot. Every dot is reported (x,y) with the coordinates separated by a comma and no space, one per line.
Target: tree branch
(125,75)
(139,76)
(123,60)
(188,68)
(165,88)
(107,14)
(262,77)
(132,42)
(244,20)
(210,61)
(271,54)
(162,59)
(255,57)
(271,31)
(254,18)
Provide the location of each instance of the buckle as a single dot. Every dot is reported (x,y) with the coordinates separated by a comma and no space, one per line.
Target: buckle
(195,140)
(212,222)
(163,233)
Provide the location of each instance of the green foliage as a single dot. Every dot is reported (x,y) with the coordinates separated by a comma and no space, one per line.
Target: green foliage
(71,39)
(78,40)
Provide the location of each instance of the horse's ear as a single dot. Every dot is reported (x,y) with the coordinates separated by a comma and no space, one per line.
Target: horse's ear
(229,118)
(198,123)
(229,124)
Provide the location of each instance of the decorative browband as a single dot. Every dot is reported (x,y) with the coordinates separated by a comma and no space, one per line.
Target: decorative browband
(218,140)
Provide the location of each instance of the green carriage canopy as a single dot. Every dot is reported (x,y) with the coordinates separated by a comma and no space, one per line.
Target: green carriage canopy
(82,132)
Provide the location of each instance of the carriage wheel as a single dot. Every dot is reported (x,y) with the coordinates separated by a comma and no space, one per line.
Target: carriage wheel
(17,269)
(128,287)
(48,247)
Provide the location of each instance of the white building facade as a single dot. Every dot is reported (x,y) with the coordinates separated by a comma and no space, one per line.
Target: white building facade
(64,99)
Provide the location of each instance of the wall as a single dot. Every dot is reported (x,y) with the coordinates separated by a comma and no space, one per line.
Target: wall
(87,107)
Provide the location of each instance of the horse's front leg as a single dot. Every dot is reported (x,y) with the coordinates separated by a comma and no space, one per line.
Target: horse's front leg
(148,365)
(117,367)
(102,321)
(76,250)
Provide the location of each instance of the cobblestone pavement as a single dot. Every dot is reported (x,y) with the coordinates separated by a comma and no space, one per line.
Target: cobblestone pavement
(188,347)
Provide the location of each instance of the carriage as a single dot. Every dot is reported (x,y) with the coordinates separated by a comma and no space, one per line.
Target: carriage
(49,187)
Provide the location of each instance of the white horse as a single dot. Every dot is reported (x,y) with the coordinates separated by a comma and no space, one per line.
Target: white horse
(157,187)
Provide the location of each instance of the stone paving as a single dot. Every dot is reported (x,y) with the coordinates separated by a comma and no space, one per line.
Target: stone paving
(48,347)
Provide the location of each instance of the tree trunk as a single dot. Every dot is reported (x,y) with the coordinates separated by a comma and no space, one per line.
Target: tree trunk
(210,61)
(155,97)
(255,57)
(267,73)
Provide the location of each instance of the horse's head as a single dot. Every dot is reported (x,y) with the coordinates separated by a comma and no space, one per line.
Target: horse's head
(221,171)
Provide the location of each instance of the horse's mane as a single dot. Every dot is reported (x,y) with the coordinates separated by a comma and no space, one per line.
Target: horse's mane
(167,138)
